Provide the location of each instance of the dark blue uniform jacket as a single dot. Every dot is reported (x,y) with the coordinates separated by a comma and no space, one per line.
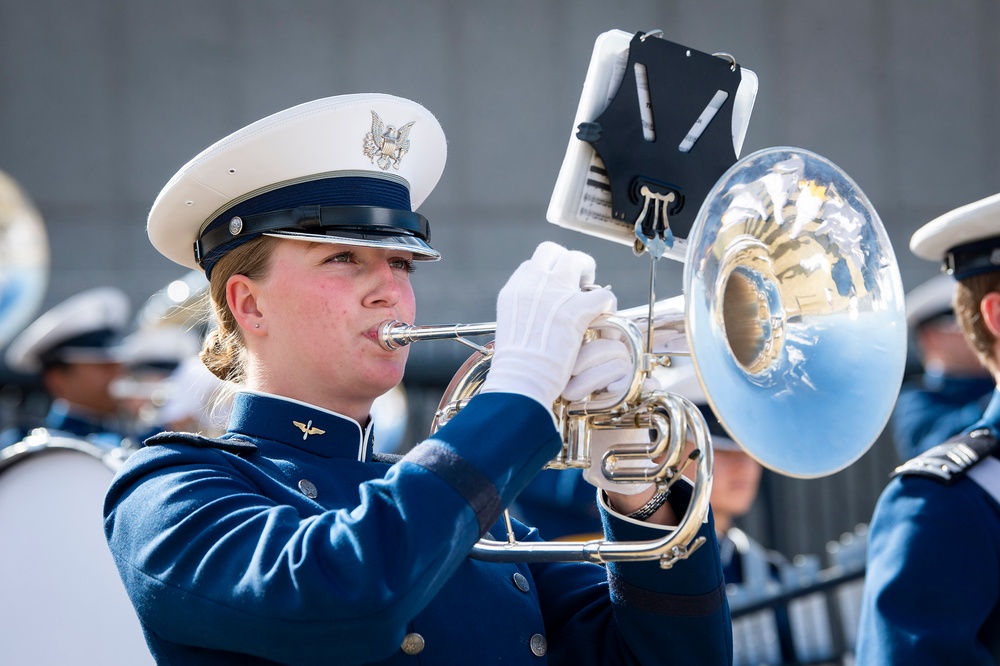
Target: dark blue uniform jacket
(933,575)
(283,542)
(939,406)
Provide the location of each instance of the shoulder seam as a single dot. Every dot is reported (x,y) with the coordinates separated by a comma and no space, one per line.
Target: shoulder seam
(236,446)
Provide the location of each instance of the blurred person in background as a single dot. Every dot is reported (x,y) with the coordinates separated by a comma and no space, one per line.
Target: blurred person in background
(932,583)
(197,401)
(75,350)
(560,503)
(150,358)
(752,572)
(952,388)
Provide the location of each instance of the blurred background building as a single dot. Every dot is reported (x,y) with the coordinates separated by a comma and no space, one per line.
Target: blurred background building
(101,102)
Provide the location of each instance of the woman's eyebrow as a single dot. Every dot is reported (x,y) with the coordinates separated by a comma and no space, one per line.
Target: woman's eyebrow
(313,245)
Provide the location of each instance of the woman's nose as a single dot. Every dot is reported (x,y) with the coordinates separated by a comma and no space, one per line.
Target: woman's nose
(384,287)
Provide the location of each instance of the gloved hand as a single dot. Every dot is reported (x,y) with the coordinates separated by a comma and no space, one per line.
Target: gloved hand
(600,442)
(542,315)
(603,364)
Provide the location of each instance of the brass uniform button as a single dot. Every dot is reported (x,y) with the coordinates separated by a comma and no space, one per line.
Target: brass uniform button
(521,582)
(413,643)
(538,645)
(308,489)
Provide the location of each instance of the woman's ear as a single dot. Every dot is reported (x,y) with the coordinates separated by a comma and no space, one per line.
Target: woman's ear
(989,308)
(241,295)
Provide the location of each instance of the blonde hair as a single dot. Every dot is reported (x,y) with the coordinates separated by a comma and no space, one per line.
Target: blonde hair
(224,352)
(968,295)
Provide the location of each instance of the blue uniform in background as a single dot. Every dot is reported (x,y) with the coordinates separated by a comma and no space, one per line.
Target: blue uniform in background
(62,421)
(938,406)
(74,423)
(283,541)
(933,576)
(559,503)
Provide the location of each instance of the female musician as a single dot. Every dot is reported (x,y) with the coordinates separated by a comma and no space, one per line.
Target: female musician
(286,540)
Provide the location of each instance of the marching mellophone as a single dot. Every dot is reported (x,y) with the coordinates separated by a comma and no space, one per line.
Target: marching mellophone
(673,417)
(792,300)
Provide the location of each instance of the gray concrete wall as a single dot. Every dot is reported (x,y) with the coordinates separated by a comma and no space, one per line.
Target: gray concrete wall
(101,101)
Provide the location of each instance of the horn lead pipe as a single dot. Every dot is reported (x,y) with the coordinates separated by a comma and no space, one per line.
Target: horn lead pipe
(394,334)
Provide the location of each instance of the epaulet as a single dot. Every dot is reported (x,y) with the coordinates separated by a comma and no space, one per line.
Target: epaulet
(391,458)
(237,446)
(949,462)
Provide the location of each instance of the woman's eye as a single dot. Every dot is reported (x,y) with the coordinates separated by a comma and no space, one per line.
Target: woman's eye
(403,264)
(340,258)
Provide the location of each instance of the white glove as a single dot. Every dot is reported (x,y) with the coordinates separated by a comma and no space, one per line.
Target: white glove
(602,440)
(542,315)
(603,364)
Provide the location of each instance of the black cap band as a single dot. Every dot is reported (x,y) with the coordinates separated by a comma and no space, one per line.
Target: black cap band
(316,220)
(97,342)
(973,258)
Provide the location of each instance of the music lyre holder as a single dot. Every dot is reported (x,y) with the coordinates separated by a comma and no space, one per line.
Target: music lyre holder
(660,176)
(655,179)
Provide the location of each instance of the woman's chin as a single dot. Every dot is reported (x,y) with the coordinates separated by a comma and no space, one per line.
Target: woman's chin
(385,382)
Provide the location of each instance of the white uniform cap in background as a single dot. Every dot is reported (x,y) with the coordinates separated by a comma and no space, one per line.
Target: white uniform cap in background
(930,300)
(192,390)
(348,169)
(183,303)
(160,347)
(966,240)
(85,328)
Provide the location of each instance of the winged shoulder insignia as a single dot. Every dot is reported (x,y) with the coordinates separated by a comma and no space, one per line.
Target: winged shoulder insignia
(308,429)
(949,462)
(385,145)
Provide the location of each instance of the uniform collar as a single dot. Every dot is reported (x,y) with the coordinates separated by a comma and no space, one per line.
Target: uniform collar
(301,425)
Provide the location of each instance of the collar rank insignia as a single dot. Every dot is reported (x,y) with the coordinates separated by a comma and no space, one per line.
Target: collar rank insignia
(308,429)
(385,145)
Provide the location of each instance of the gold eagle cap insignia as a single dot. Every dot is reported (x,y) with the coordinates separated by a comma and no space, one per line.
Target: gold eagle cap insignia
(385,145)
(308,429)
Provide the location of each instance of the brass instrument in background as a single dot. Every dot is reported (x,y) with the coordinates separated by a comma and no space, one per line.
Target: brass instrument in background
(793,317)
(24,259)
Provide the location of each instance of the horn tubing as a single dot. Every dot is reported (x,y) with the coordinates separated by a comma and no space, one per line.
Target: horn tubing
(668,314)
(394,334)
(669,550)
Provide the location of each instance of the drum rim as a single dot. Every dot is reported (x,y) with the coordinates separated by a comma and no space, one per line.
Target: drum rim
(41,440)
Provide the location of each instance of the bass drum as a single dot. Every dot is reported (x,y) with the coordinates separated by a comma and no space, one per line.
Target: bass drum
(63,602)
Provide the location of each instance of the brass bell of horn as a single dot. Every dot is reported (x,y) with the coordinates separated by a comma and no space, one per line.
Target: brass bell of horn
(795,313)
(24,259)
